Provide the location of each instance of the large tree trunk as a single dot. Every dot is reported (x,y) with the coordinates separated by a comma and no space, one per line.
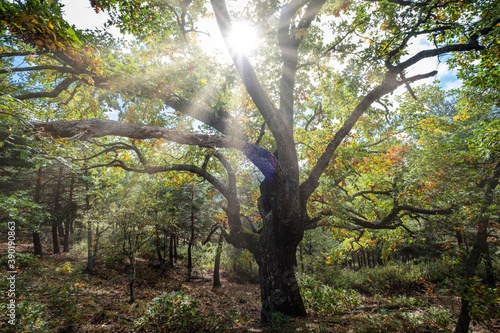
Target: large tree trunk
(276,256)
(278,285)
(37,242)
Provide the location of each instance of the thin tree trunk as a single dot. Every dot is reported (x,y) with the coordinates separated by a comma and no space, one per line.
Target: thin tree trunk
(191,240)
(57,211)
(176,244)
(490,274)
(171,250)
(96,243)
(158,245)
(90,256)
(217,262)
(37,242)
(70,214)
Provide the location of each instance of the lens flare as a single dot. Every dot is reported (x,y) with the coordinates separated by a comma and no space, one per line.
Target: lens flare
(243,38)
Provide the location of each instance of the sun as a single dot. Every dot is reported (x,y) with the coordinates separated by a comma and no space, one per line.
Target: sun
(243,38)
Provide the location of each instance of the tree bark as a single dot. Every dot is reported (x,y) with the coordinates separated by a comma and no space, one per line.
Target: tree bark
(490,272)
(37,243)
(191,239)
(277,247)
(217,262)
(57,211)
(158,244)
(171,251)
(70,214)
(278,284)
(90,256)
(176,244)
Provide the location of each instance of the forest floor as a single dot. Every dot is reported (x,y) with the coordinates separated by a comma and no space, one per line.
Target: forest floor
(99,302)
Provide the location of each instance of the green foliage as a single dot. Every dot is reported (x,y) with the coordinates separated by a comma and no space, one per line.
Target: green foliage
(483,300)
(394,278)
(324,299)
(18,208)
(23,260)
(397,279)
(279,322)
(178,312)
(61,294)
(31,317)
(243,268)
(432,319)
(410,314)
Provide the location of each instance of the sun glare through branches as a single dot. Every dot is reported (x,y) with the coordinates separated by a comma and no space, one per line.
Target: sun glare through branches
(243,38)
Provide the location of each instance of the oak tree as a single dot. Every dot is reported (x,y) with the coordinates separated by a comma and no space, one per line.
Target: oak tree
(319,68)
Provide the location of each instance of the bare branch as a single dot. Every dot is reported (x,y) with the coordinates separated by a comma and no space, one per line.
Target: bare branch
(202,114)
(104,127)
(63,85)
(405,2)
(22,54)
(393,219)
(361,193)
(60,69)
(174,167)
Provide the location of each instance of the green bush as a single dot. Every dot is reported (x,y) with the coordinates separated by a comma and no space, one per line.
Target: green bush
(30,317)
(178,312)
(395,278)
(326,300)
(244,269)
(279,322)
(172,311)
(432,319)
(22,260)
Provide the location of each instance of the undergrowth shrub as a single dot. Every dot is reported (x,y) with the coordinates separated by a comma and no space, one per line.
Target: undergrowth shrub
(432,319)
(394,278)
(326,300)
(178,312)
(279,322)
(31,317)
(244,269)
